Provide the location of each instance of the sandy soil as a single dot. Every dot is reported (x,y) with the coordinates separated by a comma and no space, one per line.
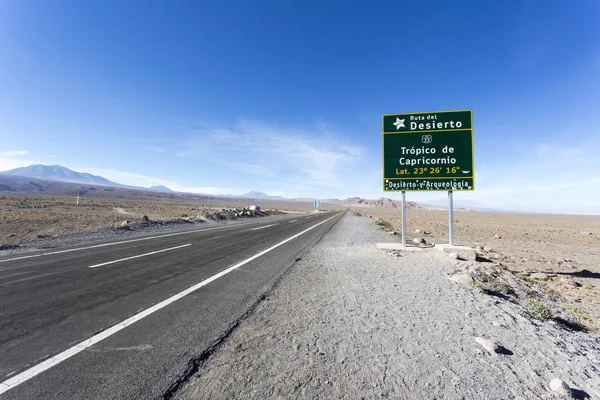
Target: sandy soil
(349,321)
(565,247)
(24,219)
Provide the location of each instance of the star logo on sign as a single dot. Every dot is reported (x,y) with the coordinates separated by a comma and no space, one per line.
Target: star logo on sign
(399,123)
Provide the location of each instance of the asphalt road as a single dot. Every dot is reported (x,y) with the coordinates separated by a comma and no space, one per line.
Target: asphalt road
(127,320)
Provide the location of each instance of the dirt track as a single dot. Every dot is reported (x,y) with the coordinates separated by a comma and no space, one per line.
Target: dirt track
(349,321)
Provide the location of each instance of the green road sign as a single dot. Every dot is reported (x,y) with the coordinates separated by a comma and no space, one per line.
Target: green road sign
(428,151)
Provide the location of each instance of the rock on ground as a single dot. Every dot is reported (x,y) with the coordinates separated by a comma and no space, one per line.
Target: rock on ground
(489,345)
(560,387)
(465,279)
(539,276)
(349,321)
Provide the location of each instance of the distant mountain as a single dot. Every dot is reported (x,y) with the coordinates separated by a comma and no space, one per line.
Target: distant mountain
(59,173)
(22,184)
(383,202)
(161,188)
(255,194)
(258,195)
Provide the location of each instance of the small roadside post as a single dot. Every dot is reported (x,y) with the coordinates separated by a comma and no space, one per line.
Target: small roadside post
(428,151)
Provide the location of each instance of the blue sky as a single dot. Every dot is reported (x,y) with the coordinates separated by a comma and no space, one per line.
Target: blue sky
(287,96)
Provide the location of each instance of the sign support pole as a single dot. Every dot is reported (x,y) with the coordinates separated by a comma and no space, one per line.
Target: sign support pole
(403,218)
(451,217)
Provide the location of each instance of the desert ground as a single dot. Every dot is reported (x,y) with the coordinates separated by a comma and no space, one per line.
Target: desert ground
(25,219)
(565,249)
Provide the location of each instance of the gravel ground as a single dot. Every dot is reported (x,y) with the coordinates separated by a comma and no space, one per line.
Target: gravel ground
(564,247)
(349,321)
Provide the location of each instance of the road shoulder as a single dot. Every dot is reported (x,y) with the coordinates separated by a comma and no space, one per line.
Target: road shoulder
(350,321)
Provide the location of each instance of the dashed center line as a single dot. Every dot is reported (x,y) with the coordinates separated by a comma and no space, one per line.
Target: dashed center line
(140,255)
(29,373)
(263,227)
(293,221)
(127,241)
(30,278)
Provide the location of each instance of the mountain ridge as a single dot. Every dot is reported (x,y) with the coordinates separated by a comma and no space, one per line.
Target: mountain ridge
(160,188)
(383,202)
(59,173)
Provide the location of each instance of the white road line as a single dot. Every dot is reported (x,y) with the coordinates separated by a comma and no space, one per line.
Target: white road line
(113,243)
(263,227)
(29,278)
(70,352)
(127,241)
(140,255)
(13,275)
(21,258)
(293,221)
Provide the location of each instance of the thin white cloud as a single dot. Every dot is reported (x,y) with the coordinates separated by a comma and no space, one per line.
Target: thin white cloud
(553,150)
(15,161)
(141,180)
(299,162)
(553,178)
(14,153)
(257,170)
(158,149)
(125,177)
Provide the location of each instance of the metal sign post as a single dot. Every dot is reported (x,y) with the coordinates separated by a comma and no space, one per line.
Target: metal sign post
(451,217)
(404,218)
